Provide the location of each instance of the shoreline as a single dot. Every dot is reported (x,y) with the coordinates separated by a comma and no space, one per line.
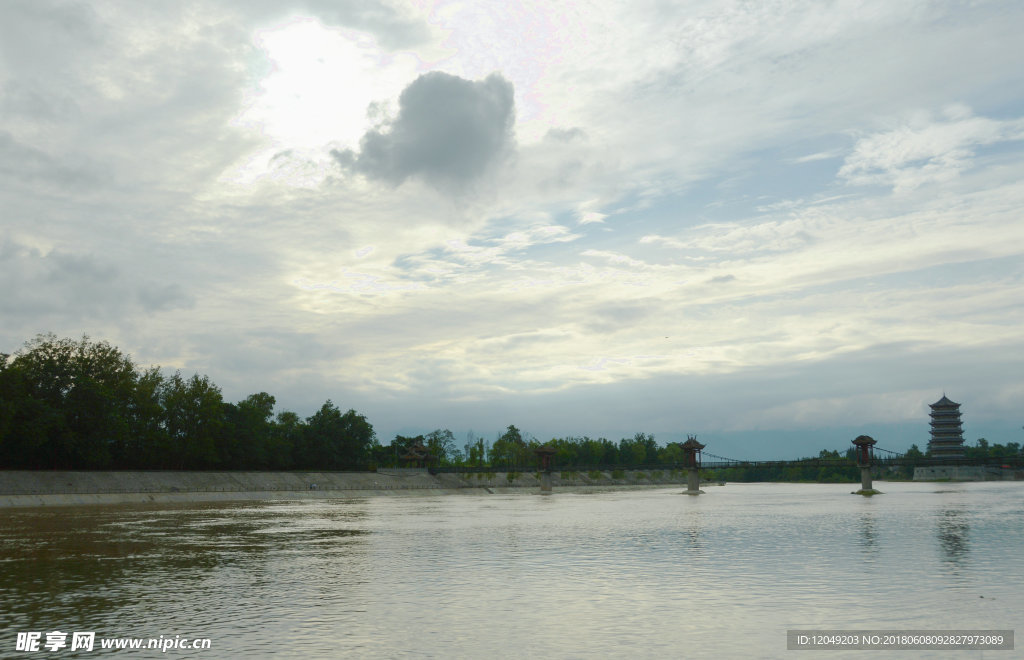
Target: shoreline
(20,489)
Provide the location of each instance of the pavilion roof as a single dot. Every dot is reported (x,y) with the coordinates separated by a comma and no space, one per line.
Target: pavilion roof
(691,443)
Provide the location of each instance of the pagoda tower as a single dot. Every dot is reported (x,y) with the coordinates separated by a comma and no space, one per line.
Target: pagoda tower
(947,433)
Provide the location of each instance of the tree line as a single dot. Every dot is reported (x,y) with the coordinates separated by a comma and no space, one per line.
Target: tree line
(83,404)
(67,404)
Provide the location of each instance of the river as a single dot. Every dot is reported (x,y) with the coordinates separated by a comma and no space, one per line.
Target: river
(613,574)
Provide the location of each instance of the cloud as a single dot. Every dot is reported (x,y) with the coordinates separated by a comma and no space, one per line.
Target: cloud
(28,165)
(59,285)
(392,28)
(574,134)
(449,131)
(925,151)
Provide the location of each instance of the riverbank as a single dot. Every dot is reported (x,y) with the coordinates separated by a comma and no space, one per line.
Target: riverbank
(70,488)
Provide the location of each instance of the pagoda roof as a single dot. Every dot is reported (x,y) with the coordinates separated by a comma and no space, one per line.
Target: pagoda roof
(944,402)
(691,442)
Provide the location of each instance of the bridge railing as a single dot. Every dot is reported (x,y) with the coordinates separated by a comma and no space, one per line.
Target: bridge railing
(893,460)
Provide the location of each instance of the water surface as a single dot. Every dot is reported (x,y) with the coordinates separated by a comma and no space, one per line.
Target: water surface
(641,573)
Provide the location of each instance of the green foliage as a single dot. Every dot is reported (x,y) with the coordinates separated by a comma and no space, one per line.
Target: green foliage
(335,441)
(595,474)
(193,421)
(510,450)
(441,444)
(984,450)
(67,404)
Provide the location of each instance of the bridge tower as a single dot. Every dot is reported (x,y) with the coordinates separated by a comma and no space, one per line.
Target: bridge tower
(691,459)
(864,444)
(544,455)
(947,432)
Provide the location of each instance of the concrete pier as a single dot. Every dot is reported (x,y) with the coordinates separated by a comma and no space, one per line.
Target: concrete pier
(691,459)
(544,455)
(865,478)
(693,482)
(864,443)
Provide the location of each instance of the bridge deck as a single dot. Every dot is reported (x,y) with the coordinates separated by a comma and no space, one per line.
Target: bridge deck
(1015,462)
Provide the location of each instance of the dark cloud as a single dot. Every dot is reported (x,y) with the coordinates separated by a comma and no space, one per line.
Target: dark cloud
(59,286)
(24,163)
(37,36)
(448,131)
(156,297)
(19,99)
(574,134)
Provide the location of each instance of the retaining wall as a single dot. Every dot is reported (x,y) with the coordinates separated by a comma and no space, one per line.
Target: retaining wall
(66,488)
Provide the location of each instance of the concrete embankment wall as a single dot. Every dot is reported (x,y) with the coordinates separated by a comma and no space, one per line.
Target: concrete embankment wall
(967,473)
(67,488)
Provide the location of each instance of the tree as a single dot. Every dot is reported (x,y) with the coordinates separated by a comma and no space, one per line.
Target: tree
(509,449)
(441,443)
(334,441)
(69,403)
(286,440)
(641,449)
(249,430)
(914,452)
(146,420)
(193,419)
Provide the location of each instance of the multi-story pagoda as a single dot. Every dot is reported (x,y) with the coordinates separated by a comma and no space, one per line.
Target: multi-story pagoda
(947,433)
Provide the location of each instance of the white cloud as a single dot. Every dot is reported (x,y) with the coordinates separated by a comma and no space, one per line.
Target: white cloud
(925,150)
(668,217)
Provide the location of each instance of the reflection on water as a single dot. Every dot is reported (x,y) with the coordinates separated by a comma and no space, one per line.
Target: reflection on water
(952,533)
(613,574)
(868,533)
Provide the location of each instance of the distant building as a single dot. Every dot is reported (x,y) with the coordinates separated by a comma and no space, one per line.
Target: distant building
(947,432)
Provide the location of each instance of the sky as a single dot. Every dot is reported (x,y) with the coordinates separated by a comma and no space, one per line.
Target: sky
(776,225)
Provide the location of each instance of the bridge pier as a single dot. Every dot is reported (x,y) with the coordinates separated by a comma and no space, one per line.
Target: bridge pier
(544,454)
(864,455)
(691,458)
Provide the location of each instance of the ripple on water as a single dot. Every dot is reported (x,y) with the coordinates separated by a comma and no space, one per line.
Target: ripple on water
(613,574)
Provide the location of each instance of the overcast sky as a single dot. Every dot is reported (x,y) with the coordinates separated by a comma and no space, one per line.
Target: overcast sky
(773,224)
